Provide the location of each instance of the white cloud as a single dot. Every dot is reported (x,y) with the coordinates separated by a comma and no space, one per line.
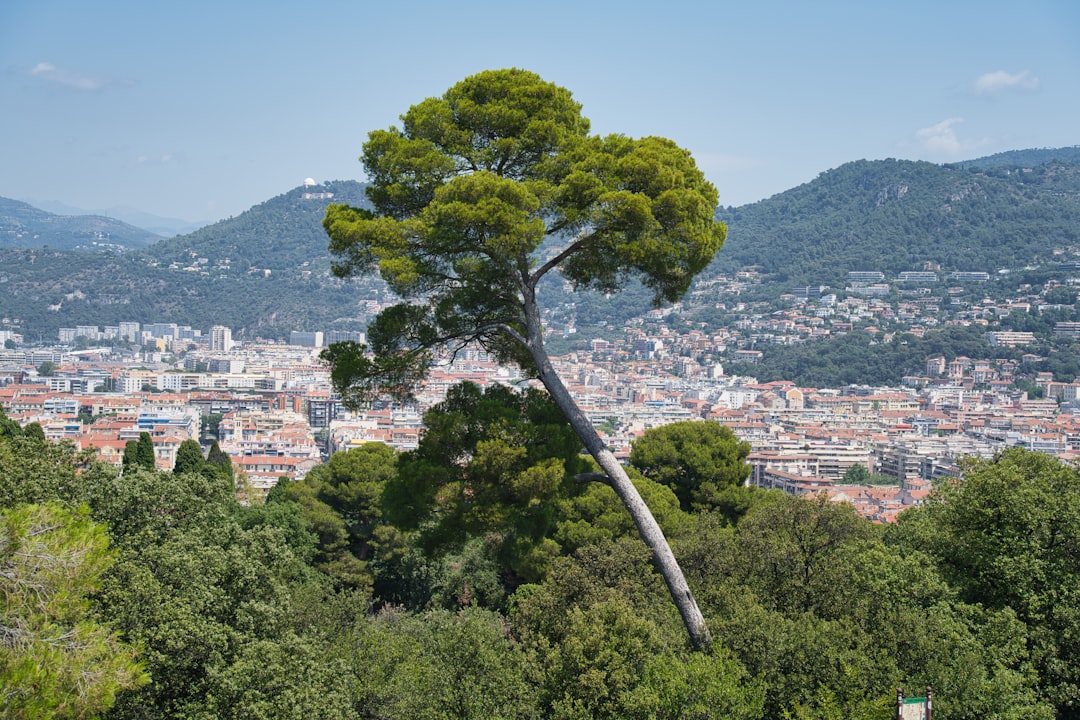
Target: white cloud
(941,138)
(48,72)
(1000,81)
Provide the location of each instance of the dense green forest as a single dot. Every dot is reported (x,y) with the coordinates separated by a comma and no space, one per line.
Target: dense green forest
(475,577)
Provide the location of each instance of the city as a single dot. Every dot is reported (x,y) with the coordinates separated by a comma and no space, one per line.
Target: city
(271,407)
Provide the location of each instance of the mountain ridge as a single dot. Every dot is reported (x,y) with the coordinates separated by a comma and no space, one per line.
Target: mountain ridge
(24,226)
(266,271)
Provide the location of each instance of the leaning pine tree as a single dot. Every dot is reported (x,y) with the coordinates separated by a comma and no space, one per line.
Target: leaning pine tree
(478,196)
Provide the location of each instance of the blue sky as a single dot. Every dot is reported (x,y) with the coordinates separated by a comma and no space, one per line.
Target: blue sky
(199,110)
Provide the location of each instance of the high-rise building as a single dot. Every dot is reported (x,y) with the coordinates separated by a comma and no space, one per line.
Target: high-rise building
(220,339)
(129,331)
(306,339)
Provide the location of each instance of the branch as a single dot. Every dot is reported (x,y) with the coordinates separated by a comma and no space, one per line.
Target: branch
(593,477)
(506,328)
(555,261)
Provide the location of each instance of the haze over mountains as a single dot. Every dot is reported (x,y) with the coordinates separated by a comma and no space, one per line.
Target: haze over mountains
(23,225)
(266,271)
(163,226)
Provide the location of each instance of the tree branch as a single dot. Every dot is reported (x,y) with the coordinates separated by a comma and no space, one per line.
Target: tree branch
(593,477)
(557,260)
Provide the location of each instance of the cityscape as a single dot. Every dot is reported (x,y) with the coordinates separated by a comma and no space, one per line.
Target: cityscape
(271,407)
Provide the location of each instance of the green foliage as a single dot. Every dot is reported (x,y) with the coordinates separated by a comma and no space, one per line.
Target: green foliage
(33,470)
(189,458)
(466,193)
(443,665)
(493,463)
(812,601)
(697,460)
(609,645)
(144,452)
(218,460)
(208,587)
(857,358)
(1005,537)
(595,515)
(340,502)
(130,459)
(56,659)
(8,427)
(857,474)
(284,678)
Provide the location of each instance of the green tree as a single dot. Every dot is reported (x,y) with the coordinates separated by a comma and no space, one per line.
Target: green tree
(189,457)
(217,458)
(207,587)
(130,459)
(33,470)
(442,664)
(8,427)
(1006,536)
(208,425)
(493,463)
(351,483)
(696,459)
(857,474)
(481,195)
(144,451)
(56,659)
(46,368)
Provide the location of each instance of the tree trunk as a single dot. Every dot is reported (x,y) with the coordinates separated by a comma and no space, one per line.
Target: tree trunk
(646,524)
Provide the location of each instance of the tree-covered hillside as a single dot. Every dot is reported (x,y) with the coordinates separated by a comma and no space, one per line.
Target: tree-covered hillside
(897,215)
(25,226)
(265,272)
(1024,158)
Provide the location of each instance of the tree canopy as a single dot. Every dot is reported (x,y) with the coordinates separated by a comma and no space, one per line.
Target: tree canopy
(696,459)
(480,195)
(483,192)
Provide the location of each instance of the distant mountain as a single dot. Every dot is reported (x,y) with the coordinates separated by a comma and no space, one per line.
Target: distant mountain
(25,226)
(162,226)
(266,271)
(1024,158)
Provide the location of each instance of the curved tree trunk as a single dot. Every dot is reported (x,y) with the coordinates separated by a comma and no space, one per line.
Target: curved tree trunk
(646,523)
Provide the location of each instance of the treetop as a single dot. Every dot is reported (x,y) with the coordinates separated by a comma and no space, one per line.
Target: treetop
(485,190)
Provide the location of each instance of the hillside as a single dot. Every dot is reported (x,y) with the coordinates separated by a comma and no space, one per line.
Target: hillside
(25,226)
(894,215)
(266,271)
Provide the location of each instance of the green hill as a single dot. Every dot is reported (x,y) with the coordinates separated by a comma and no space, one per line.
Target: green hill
(25,226)
(895,215)
(266,271)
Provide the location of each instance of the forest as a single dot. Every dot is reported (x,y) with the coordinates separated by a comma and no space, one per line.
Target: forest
(483,575)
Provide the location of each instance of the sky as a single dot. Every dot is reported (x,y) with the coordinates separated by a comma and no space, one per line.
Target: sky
(199,110)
